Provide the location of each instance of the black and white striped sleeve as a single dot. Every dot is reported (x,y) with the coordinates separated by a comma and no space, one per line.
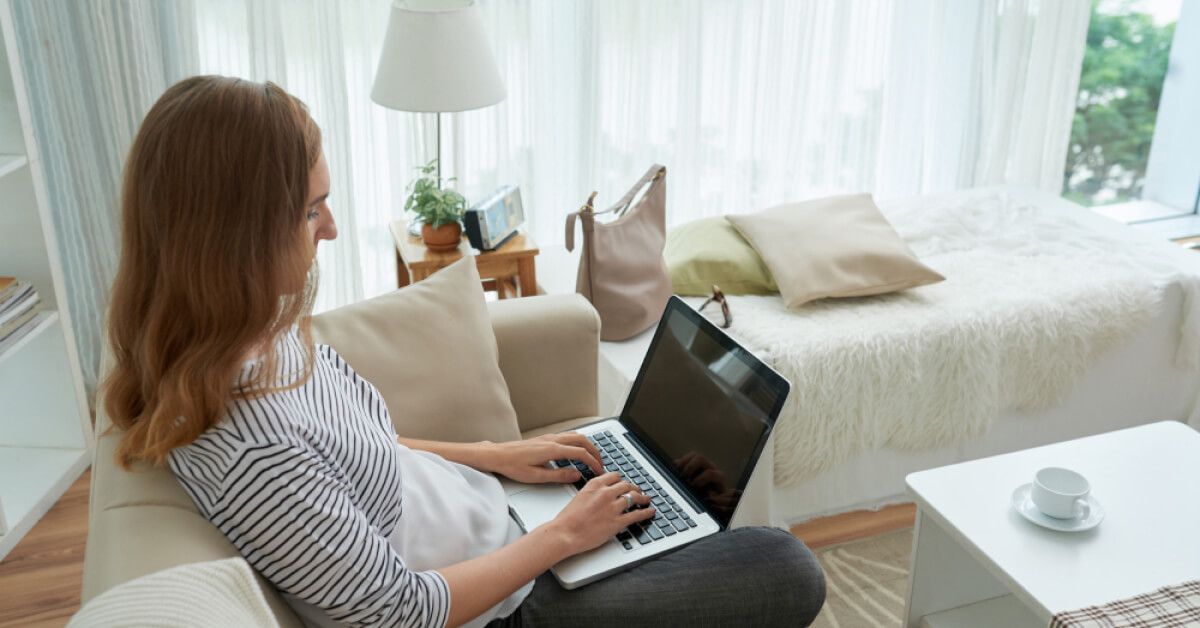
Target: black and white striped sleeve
(292,516)
(365,391)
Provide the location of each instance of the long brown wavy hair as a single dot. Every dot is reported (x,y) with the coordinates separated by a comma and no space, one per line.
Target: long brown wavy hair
(215,258)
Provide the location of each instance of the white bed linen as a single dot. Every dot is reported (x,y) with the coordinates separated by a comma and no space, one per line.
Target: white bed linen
(1137,383)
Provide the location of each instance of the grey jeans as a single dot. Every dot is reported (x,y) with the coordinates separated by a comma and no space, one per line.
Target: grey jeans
(745,577)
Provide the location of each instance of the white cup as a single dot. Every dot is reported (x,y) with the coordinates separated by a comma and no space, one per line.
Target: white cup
(1060,493)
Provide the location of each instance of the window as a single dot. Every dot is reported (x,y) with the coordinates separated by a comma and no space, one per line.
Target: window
(1135,94)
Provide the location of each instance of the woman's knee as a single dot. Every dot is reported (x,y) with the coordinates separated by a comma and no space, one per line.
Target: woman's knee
(793,573)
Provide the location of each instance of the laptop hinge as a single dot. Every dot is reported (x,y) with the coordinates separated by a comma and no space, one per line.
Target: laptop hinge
(668,475)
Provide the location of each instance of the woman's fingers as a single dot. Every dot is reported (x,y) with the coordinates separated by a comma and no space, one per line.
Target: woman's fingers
(577,453)
(561,476)
(635,515)
(579,440)
(612,485)
(620,488)
(639,499)
(603,480)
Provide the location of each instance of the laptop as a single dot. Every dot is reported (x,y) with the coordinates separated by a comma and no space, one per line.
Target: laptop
(689,436)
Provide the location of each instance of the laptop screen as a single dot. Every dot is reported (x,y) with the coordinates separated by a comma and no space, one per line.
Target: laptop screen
(706,405)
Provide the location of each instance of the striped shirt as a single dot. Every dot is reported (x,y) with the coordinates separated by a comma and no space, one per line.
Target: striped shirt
(306,483)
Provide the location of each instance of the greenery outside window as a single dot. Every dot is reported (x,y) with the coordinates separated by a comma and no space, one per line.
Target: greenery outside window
(1120,88)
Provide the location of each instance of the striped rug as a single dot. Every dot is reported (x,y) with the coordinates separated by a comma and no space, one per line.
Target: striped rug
(866,581)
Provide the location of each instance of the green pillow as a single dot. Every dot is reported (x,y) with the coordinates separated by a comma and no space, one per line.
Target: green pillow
(711,251)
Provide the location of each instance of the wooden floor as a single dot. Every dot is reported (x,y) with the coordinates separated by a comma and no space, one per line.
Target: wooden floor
(852,526)
(41,577)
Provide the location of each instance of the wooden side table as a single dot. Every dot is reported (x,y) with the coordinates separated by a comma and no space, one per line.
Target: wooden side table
(508,270)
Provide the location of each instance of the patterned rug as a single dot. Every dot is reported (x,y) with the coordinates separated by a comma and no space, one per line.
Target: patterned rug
(866,581)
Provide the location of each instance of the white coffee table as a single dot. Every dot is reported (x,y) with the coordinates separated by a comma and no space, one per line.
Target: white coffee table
(976,562)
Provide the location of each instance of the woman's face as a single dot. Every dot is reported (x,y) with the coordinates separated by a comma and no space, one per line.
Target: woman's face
(320,219)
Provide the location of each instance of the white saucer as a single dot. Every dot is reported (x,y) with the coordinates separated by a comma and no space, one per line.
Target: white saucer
(1092,516)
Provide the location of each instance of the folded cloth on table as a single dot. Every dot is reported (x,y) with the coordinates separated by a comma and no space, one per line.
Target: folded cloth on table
(1177,605)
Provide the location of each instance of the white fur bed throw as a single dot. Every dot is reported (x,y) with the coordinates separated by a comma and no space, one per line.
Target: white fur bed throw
(1030,300)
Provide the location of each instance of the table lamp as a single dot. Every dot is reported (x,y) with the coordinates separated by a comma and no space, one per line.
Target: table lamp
(436,59)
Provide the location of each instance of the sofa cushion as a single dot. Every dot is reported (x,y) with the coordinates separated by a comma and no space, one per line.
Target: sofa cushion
(118,538)
(430,350)
(131,542)
(549,353)
(114,487)
(560,426)
(840,246)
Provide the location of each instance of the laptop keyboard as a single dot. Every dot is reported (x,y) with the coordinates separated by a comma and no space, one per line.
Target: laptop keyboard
(669,520)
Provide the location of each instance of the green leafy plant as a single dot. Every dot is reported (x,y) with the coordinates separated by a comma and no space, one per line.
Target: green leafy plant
(435,205)
(1119,91)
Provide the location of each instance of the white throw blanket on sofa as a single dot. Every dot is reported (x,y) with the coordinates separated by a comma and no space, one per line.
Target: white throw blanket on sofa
(1030,300)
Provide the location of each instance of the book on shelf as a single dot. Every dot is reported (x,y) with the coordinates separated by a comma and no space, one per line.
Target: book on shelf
(20,310)
(8,286)
(20,332)
(14,293)
(17,321)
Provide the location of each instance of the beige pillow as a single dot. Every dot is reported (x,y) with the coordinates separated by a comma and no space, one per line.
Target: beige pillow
(839,246)
(430,350)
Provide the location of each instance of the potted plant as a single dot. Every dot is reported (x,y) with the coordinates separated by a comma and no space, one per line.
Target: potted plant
(440,209)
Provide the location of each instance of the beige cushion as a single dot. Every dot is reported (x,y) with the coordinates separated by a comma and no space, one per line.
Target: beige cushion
(430,350)
(132,541)
(560,426)
(113,487)
(549,353)
(839,246)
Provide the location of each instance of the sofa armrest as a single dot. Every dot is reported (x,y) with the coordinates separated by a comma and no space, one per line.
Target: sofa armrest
(549,354)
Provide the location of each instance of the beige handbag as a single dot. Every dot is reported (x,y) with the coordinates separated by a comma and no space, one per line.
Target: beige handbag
(621,269)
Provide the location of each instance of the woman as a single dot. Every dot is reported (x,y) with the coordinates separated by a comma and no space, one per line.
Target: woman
(293,456)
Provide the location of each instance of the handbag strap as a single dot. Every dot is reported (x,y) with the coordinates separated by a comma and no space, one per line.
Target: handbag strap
(652,176)
(587,207)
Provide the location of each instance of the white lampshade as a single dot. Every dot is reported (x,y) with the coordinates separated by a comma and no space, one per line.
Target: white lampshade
(436,59)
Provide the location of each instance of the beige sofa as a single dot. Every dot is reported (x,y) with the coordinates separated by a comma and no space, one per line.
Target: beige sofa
(142,521)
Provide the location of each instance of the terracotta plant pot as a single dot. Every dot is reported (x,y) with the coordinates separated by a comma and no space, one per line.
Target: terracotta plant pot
(442,239)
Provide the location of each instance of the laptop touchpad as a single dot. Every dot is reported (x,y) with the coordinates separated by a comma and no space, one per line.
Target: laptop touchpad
(539,504)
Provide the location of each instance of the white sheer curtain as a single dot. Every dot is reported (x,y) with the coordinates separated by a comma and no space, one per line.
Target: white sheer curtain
(325,53)
(92,71)
(757,102)
(747,103)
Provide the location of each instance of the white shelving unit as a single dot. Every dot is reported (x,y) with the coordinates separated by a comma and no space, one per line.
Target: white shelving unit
(46,435)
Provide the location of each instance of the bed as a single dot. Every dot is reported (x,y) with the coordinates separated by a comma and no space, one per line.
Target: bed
(1143,377)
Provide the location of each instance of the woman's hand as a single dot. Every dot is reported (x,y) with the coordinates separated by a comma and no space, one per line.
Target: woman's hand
(597,513)
(525,460)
